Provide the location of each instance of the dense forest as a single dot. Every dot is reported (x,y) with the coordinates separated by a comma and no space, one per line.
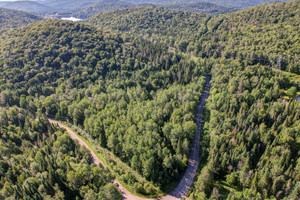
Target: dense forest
(200,7)
(104,7)
(39,161)
(252,135)
(253,147)
(130,81)
(87,8)
(174,29)
(244,35)
(12,18)
(129,96)
(227,3)
(252,127)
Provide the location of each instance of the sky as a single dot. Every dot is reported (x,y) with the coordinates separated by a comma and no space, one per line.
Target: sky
(17,0)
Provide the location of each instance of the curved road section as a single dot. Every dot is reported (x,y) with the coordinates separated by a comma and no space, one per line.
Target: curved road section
(187,180)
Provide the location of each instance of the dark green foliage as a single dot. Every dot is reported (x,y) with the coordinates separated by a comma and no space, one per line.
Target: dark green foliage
(38,161)
(252,129)
(56,53)
(176,29)
(266,35)
(253,144)
(135,93)
(133,97)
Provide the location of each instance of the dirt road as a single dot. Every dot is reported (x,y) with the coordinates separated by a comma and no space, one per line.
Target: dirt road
(187,180)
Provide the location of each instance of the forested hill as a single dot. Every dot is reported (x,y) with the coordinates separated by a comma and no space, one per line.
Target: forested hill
(264,34)
(13,18)
(28,6)
(106,6)
(131,96)
(134,91)
(252,121)
(228,3)
(87,8)
(157,23)
(200,7)
(258,35)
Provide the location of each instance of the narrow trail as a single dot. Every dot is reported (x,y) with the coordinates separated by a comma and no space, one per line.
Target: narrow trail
(187,180)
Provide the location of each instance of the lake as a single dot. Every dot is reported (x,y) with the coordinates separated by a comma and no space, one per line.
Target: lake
(71,19)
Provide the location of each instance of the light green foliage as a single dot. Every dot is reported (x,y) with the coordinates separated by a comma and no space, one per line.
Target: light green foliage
(292,92)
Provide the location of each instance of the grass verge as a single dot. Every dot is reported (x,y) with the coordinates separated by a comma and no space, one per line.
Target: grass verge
(119,169)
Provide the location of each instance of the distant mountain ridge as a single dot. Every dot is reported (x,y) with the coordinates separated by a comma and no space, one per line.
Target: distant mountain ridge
(87,8)
(200,7)
(107,6)
(228,3)
(104,6)
(2,3)
(28,6)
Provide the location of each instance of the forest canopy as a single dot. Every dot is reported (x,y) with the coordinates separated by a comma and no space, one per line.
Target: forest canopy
(132,97)
(130,82)
(254,60)
(39,161)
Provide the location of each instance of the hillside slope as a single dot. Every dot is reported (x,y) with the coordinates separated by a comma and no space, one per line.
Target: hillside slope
(148,95)
(264,34)
(247,34)
(156,23)
(106,6)
(252,118)
(12,18)
(135,94)
(59,167)
(200,7)
(68,4)
(228,3)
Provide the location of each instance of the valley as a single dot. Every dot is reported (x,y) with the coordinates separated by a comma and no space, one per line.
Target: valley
(150,100)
